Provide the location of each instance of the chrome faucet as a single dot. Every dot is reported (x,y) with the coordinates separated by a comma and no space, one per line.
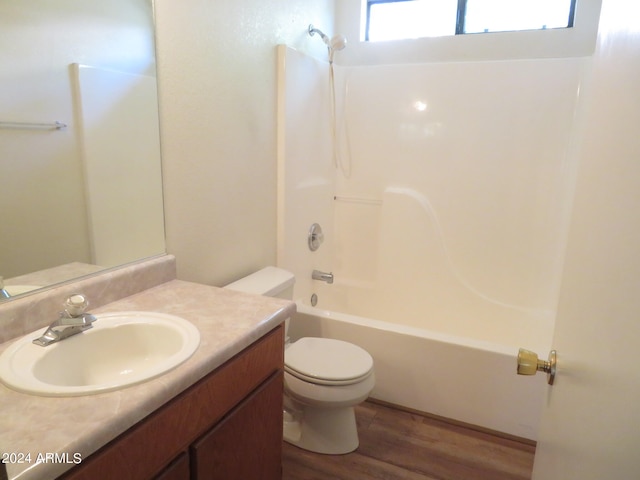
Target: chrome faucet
(323,276)
(4,295)
(70,322)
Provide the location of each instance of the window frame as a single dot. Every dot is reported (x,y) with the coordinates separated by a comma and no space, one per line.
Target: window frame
(460,16)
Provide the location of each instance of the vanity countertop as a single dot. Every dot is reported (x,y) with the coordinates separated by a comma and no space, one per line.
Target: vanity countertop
(71,428)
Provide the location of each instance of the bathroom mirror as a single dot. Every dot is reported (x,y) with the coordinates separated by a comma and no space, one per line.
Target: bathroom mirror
(80,182)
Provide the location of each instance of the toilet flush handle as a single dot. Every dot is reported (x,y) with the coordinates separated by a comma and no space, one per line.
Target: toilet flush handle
(529,364)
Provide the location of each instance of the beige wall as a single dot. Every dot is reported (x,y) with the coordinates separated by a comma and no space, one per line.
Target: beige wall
(217,86)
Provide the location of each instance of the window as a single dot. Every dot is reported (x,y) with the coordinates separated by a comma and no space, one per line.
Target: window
(401,19)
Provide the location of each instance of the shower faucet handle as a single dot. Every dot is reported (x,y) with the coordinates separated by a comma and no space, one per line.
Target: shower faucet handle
(316,237)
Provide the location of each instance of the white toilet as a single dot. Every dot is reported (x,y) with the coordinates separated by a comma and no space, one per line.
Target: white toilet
(323,380)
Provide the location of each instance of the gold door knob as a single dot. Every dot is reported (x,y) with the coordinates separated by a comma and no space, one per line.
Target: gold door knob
(529,364)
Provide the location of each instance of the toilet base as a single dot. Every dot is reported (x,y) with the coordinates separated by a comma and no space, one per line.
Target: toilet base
(330,431)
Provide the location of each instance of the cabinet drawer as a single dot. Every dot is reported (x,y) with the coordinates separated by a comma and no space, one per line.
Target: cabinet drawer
(143,450)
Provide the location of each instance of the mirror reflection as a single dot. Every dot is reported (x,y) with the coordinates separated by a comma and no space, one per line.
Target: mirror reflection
(81,186)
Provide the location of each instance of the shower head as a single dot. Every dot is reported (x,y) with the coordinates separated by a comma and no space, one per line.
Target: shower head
(337,42)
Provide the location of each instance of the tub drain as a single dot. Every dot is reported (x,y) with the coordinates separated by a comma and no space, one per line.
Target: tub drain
(314,300)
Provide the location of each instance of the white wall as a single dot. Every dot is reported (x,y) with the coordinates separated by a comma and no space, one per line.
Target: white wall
(217,85)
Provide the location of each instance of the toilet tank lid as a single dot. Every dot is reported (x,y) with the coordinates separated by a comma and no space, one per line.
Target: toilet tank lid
(269,281)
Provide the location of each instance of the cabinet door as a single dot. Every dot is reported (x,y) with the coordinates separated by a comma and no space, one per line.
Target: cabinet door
(176,470)
(247,443)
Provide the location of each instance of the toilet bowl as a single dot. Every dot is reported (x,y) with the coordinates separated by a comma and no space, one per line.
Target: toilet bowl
(323,380)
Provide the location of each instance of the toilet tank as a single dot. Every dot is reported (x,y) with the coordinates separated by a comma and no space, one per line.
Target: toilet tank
(270,281)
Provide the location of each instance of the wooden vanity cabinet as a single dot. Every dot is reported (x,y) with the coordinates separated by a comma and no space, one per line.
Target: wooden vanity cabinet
(227,426)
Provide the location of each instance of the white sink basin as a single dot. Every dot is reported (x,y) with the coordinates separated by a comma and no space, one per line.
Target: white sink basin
(121,349)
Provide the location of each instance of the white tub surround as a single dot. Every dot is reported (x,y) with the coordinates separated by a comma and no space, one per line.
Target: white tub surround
(444,191)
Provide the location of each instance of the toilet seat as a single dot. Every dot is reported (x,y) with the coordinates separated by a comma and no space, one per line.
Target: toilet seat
(325,361)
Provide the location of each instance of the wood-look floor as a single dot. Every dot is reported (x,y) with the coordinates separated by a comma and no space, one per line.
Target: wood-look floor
(398,445)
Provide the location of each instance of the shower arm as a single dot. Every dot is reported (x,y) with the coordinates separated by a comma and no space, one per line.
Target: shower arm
(313,31)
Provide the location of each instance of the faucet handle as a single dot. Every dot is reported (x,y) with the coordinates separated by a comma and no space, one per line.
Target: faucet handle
(75,304)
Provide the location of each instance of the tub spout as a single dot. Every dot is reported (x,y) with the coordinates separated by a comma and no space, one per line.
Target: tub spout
(323,276)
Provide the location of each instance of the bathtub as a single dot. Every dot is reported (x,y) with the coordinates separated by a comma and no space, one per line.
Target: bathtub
(468,380)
